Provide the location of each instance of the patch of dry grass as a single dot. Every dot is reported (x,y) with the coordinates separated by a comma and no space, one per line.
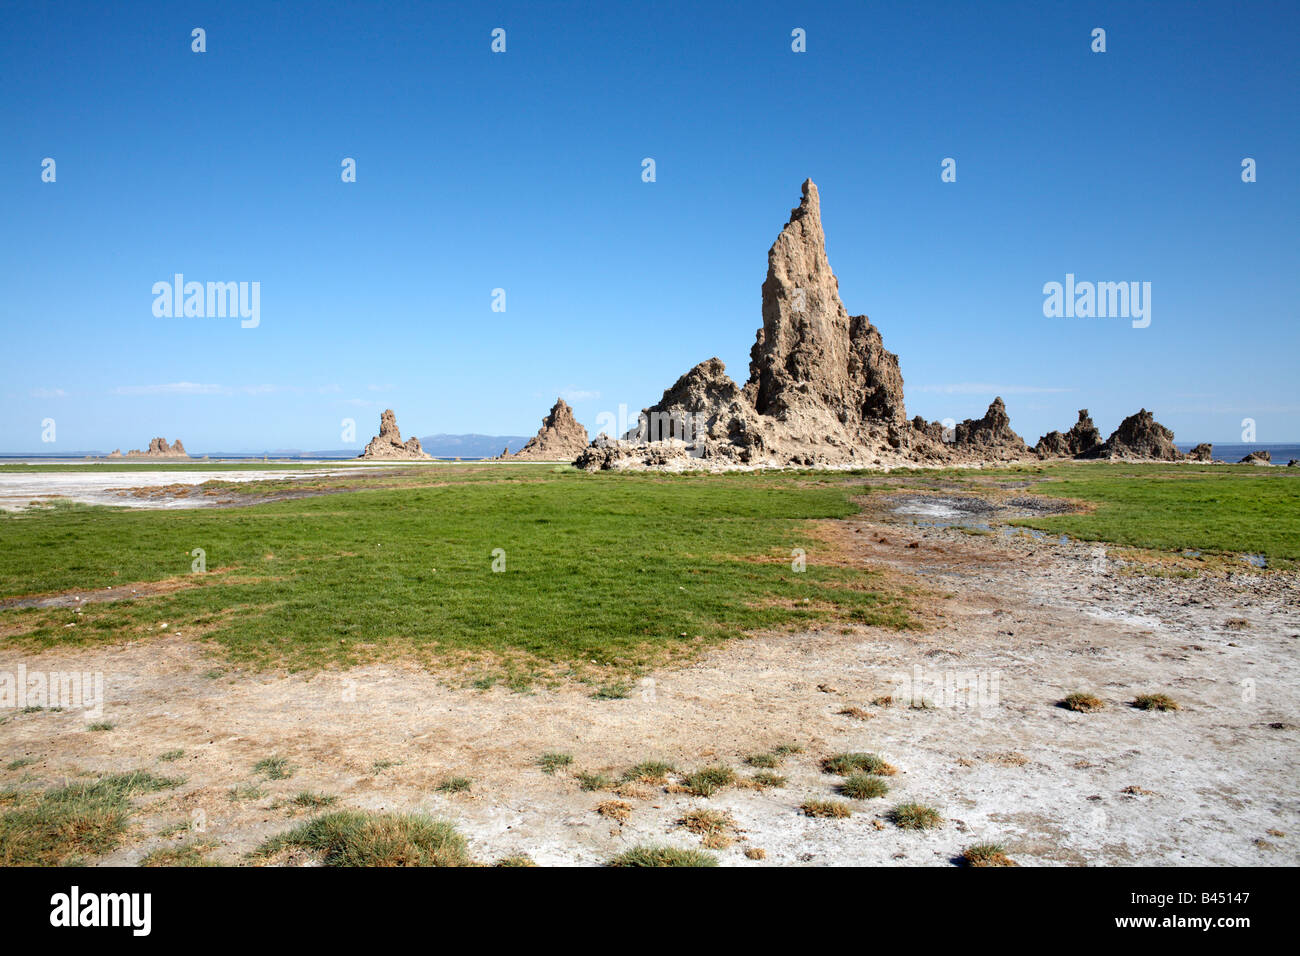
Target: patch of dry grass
(915,816)
(826,808)
(848,764)
(1083,703)
(987,854)
(1156,702)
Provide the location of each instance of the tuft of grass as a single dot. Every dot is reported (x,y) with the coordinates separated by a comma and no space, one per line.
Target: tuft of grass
(176,829)
(863,786)
(614,809)
(456,785)
(358,838)
(987,854)
(915,816)
(171,755)
(67,823)
(616,691)
(274,768)
(552,761)
(765,779)
(246,791)
(707,821)
(379,766)
(595,781)
(101,725)
(709,780)
(857,713)
(756,853)
(848,764)
(651,855)
(1083,703)
(20,763)
(518,860)
(649,771)
(826,808)
(1156,702)
(309,800)
(774,757)
(714,827)
(187,854)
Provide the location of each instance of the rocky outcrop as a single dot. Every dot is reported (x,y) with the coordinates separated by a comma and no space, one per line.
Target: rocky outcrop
(822,388)
(158,448)
(388,443)
(1052,445)
(1202,452)
(1257,458)
(1082,439)
(990,436)
(560,438)
(703,415)
(1139,436)
(115,453)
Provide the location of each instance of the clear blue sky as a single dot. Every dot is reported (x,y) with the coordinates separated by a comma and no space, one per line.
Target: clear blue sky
(523,171)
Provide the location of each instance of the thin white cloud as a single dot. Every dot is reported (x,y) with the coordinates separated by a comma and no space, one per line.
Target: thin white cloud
(172,388)
(49,393)
(571,393)
(1262,408)
(983,388)
(200,388)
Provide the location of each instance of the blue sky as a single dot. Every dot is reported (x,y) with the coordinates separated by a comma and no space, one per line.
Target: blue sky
(522,171)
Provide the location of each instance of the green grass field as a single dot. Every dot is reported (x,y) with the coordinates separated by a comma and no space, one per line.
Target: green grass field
(603,573)
(1243,509)
(622,571)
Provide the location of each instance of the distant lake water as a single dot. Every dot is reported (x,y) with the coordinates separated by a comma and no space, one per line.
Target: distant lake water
(1235,451)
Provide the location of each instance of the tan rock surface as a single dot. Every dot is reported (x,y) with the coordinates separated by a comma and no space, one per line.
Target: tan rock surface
(560,438)
(388,443)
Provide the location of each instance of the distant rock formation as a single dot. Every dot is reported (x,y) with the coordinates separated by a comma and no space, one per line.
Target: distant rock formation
(990,436)
(158,448)
(388,443)
(115,453)
(1082,438)
(560,438)
(1257,458)
(1139,436)
(1202,452)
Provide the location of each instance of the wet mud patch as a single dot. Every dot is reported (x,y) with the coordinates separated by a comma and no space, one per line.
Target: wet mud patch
(965,510)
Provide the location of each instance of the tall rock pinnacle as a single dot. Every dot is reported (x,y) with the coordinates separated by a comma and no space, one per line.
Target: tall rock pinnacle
(560,438)
(388,443)
(813,366)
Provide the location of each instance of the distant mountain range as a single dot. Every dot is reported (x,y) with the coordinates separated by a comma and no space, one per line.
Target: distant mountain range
(471,446)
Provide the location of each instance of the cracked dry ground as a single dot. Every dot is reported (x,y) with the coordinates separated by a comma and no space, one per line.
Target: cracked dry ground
(1213,783)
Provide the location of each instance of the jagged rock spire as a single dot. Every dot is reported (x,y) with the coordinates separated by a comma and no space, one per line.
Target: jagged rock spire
(812,364)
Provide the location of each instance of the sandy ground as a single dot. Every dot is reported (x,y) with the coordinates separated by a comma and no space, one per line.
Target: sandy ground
(1034,618)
